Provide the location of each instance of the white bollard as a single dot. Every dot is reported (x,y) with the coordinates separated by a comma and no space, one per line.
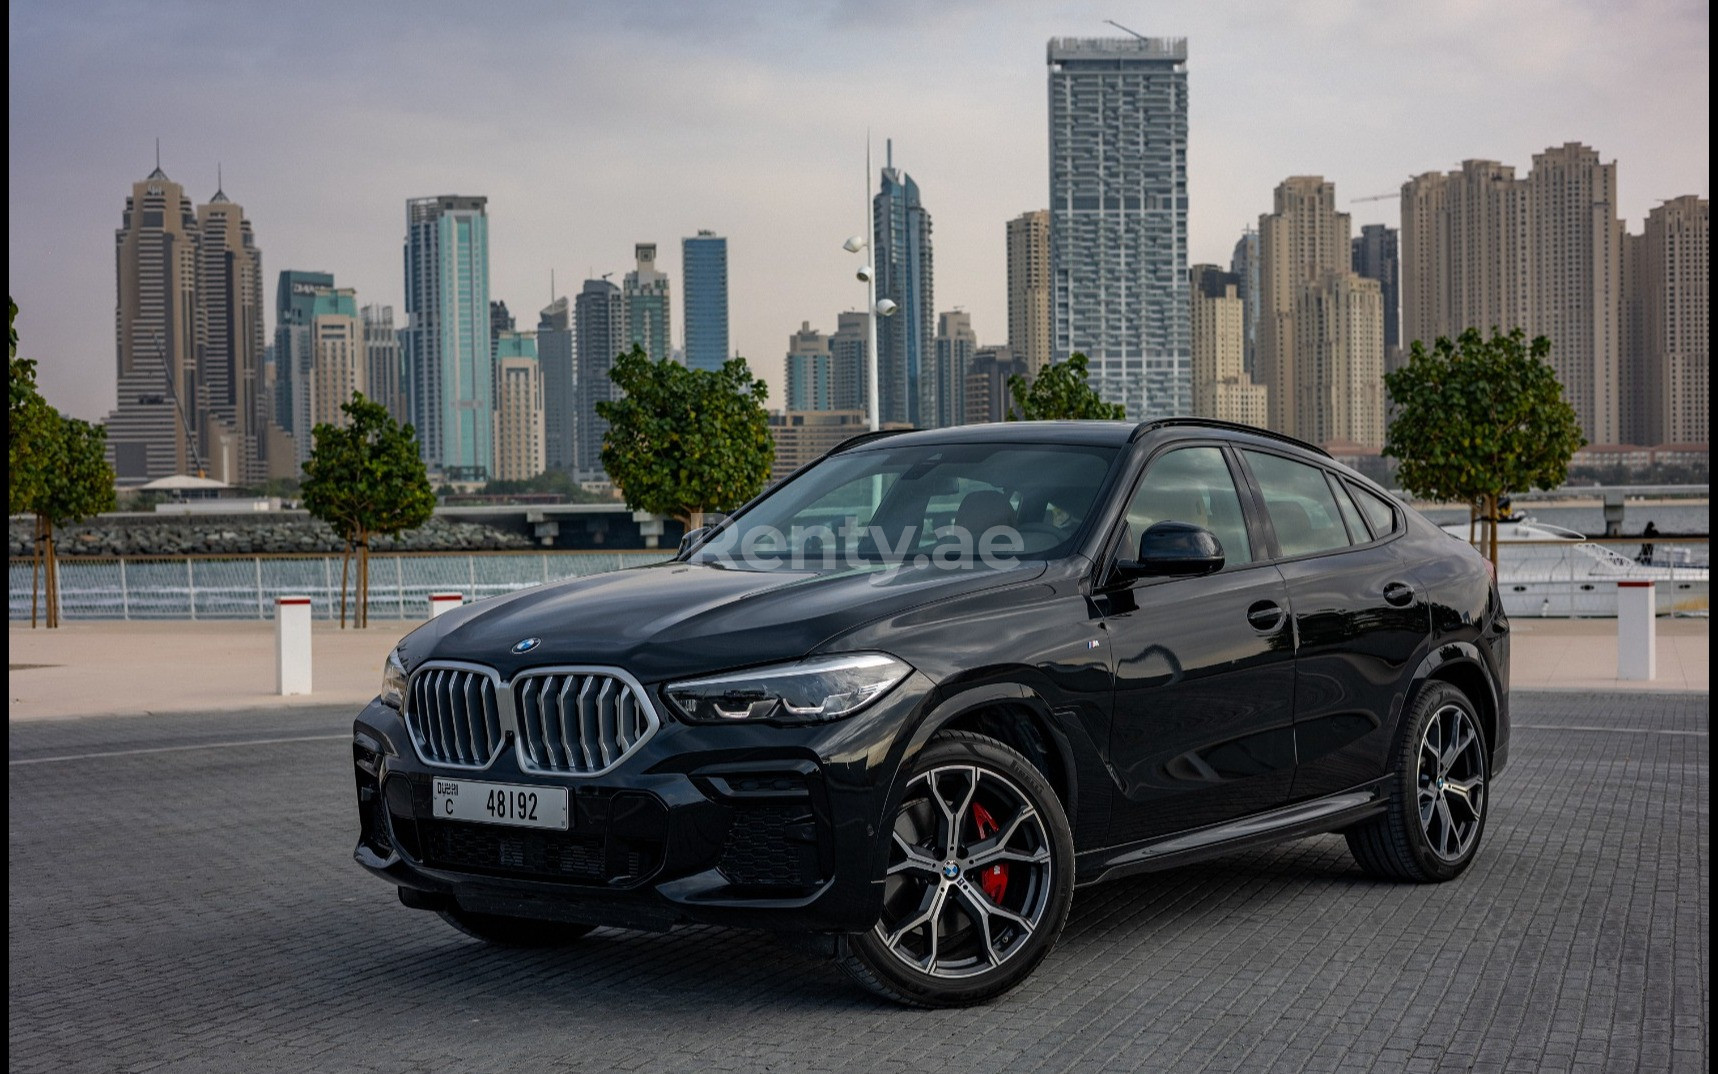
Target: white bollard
(292,645)
(1637,631)
(444,602)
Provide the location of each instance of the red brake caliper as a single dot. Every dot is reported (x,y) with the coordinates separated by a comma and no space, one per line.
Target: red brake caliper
(993,880)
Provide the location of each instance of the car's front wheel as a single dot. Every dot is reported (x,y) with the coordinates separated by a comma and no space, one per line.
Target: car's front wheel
(1439,797)
(514,931)
(980,875)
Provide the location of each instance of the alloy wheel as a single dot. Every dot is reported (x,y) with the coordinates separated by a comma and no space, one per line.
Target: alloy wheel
(970,873)
(1451,782)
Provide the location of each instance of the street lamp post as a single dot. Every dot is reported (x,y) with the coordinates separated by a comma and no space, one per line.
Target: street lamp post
(873,308)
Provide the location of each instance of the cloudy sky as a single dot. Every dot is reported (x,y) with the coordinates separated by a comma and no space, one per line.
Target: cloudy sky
(593,126)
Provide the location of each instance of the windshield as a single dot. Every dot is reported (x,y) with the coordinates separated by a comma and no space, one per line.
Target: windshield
(950,505)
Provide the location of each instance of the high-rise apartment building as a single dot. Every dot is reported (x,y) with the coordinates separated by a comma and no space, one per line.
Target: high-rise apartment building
(601,332)
(803,437)
(1339,360)
(1667,359)
(810,375)
(704,263)
(500,320)
(294,297)
(556,360)
(1376,257)
(849,387)
(1483,249)
(339,363)
(1118,216)
(901,243)
(151,432)
(987,396)
(1222,388)
(955,345)
(448,353)
(645,306)
(1301,243)
(230,344)
(1030,327)
(519,416)
(384,361)
(1244,264)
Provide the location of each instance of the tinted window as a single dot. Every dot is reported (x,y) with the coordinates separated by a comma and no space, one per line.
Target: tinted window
(1302,508)
(1379,511)
(1190,485)
(1350,514)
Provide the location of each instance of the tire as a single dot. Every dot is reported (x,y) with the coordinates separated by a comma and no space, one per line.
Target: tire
(964,923)
(1439,796)
(514,931)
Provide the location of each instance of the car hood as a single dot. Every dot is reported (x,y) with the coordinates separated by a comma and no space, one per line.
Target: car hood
(675,619)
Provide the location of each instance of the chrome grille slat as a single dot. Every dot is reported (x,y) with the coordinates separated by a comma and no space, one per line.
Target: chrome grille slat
(454,716)
(543,718)
(592,719)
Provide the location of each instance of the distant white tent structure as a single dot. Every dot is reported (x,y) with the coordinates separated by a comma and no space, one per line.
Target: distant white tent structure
(184,483)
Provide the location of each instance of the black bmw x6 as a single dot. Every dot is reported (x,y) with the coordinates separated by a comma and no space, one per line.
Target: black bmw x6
(911,697)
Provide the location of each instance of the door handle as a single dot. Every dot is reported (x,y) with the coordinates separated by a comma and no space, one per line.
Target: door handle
(1265,616)
(1399,594)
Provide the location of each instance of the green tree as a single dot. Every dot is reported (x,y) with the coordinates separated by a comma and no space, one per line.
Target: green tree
(75,483)
(1060,393)
(684,441)
(30,425)
(1478,419)
(365,479)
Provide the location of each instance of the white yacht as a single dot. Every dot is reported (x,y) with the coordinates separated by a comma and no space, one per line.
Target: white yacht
(1545,570)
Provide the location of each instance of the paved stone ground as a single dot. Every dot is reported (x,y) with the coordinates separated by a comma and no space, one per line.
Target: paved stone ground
(197,909)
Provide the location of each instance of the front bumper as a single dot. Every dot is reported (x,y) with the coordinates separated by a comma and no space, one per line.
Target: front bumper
(772,827)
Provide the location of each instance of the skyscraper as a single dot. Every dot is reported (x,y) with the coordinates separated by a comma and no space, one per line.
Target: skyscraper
(810,376)
(556,348)
(1303,240)
(150,433)
(294,297)
(383,362)
(987,395)
(645,305)
(1481,248)
(1244,264)
(1221,387)
(339,362)
(500,320)
(1029,321)
(848,390)
(1118,216)
(704,261)
(601,337)
(1669,356)
(1339,360)
(901,242)
(447,335)
(1376,257)
(519,418)
(955,345)
(229,303)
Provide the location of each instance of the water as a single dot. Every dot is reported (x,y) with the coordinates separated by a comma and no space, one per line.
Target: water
(1680,517)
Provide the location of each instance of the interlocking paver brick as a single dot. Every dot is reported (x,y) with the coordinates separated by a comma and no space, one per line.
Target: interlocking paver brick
(198,909)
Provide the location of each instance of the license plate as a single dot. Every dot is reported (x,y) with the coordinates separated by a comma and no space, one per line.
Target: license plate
(501,803)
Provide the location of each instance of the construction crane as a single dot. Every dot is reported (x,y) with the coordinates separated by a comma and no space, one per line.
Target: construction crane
(1377,197)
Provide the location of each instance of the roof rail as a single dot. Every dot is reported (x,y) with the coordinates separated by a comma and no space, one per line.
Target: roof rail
(1231,426)
(873,434)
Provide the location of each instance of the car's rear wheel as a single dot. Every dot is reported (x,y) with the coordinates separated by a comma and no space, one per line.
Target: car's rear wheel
(980,875)
(1439,795)
(514,931)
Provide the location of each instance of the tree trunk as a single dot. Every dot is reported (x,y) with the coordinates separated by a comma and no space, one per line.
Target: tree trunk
(345,566)
(35,569)
(1472,517)
(1492,502)
(51,573)
(361,615)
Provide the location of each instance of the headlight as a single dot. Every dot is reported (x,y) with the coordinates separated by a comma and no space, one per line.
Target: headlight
(821,688)
(394,682)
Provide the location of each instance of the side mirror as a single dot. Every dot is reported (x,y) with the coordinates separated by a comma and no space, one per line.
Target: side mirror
(692,537)
(1171,548)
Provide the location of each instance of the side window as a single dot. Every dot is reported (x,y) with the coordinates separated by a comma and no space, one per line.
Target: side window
(1381,513)
(1191,485)
(1350,514)
(1302,508)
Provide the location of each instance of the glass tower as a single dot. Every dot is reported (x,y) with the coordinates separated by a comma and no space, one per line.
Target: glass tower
(451,383)
(901,239)
(1118,217)
(704,260)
